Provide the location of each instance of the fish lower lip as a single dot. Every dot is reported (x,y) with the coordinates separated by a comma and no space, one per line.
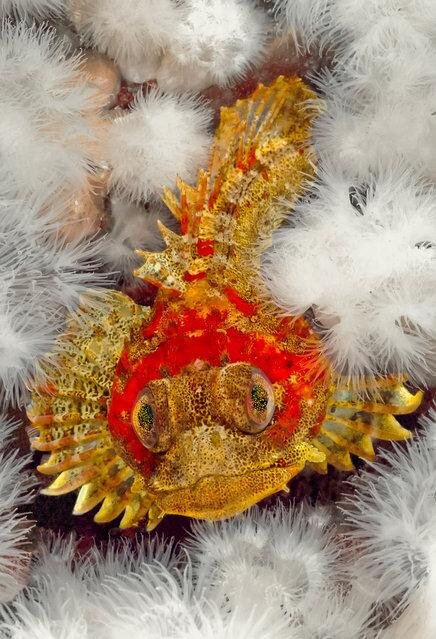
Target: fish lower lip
(221,496)
(224,477)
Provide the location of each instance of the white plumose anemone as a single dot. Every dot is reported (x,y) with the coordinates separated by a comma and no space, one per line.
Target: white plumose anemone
(162,138)
(361,255)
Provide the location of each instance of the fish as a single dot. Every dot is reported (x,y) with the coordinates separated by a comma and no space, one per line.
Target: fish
(211,399)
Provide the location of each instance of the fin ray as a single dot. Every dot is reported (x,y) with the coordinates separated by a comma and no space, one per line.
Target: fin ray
(353,418)
(117,476)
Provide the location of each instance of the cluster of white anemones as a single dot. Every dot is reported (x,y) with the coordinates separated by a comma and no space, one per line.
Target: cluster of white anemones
(186,45)
(16,491)
(360,250)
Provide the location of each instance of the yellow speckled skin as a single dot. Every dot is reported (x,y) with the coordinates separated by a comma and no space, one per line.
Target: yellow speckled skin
(189,407)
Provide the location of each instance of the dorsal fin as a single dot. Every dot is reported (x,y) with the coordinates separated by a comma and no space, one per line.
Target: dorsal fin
(260,153)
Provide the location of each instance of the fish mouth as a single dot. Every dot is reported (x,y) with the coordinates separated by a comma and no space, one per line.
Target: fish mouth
(213,473)
(220,496)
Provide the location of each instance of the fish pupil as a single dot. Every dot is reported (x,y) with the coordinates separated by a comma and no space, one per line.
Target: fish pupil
(146,416)
(259,398)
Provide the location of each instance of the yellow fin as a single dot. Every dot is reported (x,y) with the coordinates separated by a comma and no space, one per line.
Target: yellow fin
(336,455)
(94,492)
(69,413)
(387,396)
(136,510)
(70,480)
(113,505)
(378,425)
(353,418)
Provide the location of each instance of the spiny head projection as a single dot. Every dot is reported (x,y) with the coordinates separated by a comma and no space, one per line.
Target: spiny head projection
(209,401)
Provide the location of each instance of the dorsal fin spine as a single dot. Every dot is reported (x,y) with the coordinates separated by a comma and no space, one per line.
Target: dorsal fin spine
(260,152)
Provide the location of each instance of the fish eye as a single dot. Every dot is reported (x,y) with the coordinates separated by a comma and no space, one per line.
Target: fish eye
(144,419)
(245,398)
(260,403)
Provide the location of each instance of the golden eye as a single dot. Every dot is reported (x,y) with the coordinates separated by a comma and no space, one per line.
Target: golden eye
(260,402)
(144,419)
(243,398)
